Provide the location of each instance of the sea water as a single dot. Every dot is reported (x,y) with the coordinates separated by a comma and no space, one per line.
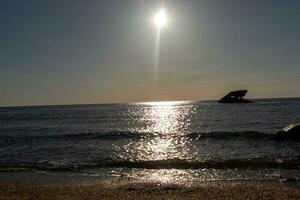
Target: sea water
(155,141)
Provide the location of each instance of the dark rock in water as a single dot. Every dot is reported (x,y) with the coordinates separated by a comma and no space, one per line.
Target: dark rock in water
(235,97)
(291,132)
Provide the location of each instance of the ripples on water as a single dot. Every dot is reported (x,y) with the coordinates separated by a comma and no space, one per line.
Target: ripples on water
(161,141)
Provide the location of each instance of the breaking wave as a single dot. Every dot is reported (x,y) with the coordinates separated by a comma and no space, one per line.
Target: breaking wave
(115,135)
(251,163)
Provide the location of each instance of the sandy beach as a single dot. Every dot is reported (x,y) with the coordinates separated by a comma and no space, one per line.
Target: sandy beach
(216,190)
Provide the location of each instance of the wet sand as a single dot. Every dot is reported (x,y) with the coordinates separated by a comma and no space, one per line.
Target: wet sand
(221,190)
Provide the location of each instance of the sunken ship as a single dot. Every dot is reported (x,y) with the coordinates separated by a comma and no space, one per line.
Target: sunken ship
(235,97)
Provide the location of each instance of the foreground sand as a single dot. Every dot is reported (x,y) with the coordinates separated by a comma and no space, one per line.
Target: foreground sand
(151,191)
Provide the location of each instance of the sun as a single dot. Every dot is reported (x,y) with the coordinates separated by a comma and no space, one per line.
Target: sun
(160,19)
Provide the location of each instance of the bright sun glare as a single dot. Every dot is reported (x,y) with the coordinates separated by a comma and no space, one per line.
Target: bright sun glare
(160,18)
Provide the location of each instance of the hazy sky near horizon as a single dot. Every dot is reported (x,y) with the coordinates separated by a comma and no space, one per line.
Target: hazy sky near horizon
(94,51)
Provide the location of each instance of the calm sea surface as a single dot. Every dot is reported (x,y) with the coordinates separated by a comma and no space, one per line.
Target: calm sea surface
(163,141)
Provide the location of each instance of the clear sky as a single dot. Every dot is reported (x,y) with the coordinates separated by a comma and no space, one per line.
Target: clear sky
(94,51)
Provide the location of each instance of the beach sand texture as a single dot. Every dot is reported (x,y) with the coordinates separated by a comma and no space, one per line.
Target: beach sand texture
(22,191)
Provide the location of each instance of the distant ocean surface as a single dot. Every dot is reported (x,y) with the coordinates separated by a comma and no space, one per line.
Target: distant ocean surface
(163,141)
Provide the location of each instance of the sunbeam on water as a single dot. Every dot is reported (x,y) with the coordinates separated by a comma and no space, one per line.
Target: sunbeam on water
(157,141)
(167,122)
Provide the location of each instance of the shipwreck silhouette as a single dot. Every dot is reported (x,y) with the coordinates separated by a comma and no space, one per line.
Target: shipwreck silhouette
(235,97)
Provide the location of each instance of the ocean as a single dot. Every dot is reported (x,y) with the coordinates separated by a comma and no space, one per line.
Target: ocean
(155,141)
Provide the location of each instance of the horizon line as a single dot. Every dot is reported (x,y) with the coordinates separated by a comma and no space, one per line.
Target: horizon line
(136,102)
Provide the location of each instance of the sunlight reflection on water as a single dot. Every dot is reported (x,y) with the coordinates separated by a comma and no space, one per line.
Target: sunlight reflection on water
(167,121)
(166,118)
(162,141)
(168,146)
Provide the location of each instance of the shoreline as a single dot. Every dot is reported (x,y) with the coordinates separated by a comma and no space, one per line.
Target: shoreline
(21,185)
(65,178)
(144,190)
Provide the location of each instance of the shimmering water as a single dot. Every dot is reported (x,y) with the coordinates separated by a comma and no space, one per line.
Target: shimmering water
(163,141)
